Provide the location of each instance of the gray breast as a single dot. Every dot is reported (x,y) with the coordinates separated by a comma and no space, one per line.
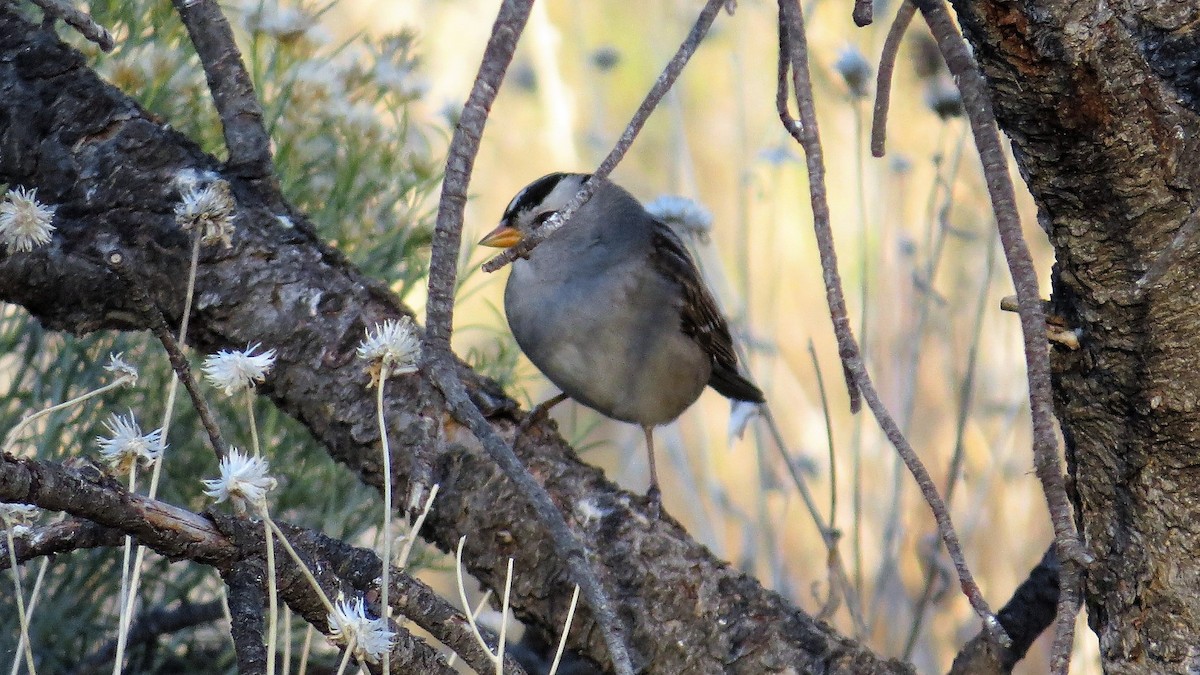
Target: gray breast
(590,312)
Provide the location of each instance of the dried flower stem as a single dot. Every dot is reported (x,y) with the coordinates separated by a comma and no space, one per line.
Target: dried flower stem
(503,619)
(462,597)
(15,568)
(483,600)
(299,562)
(405,552)
(254,446)
(346,656)
(272,599)
(497,657)
(11,439)
(127,594)
(23,641)
(384,366)
(562,640)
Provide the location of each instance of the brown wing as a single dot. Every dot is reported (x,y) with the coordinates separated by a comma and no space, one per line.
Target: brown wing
(702,320)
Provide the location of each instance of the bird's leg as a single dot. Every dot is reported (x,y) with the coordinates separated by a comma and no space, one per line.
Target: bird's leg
(539,411)
(654,494)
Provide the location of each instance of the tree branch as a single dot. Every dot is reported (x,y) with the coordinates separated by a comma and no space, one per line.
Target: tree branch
(244,589)
(241,114)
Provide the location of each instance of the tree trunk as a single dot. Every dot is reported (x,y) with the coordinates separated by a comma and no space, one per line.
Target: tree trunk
(1100,101)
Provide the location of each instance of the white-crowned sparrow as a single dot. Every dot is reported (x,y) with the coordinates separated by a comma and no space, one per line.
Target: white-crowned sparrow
(612,309)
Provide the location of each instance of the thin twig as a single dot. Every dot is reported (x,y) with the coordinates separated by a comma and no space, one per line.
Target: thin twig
(246,139)
(1047,465)
(79,20)
(661,86)
(965,398)
(464,146)
(141,301)
(438,358)
(883,78)
(793,56)
(568,547)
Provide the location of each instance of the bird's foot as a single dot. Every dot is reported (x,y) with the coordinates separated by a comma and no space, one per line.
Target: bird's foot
(654,502)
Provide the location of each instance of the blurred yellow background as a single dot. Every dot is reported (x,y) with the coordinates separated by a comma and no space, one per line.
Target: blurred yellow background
(580,71)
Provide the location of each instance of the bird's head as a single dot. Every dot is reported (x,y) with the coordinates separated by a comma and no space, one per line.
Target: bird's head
(532,206)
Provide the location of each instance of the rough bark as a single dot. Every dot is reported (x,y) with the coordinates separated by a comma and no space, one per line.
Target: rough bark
(110,168)
(1100,101)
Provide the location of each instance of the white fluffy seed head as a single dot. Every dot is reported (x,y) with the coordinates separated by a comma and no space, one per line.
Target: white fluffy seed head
(394,343)
(244,482)
(238,370)
(349,626)
(126,443)
(25,223)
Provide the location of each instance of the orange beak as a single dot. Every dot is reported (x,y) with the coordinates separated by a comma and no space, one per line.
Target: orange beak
(504,236)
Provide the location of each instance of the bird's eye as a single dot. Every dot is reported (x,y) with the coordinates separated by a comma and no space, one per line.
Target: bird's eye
(543,217)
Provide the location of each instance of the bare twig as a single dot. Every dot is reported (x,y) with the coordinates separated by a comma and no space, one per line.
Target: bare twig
(464,146)
(883,78)
(965,397)
(246,139)
(79,20)
(661,86)
(438,363)
(793,56)
(1033,318)
(158,325)
(568,547)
